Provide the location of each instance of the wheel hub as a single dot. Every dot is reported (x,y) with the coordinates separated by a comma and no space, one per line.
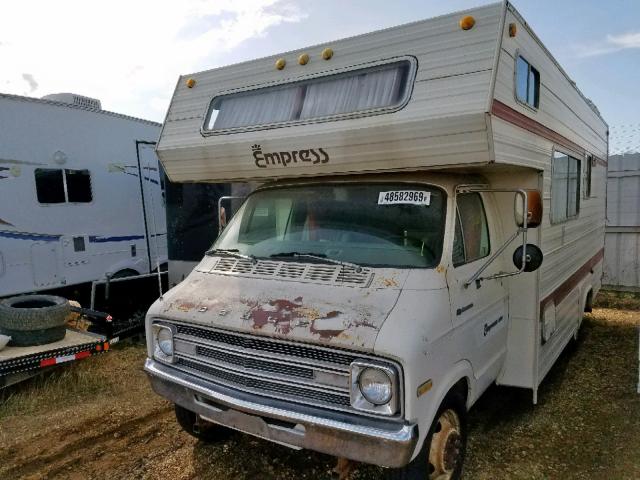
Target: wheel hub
(446,446)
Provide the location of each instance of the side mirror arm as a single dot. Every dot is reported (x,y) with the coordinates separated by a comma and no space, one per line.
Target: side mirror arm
(522,230)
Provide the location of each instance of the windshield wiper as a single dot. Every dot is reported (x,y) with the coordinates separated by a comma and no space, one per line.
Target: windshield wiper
(232,252)
(317,256)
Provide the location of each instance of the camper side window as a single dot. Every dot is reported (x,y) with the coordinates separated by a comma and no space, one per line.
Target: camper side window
(471,238)
(527,83)
(55,185)
(49,185)
(587,176)
(565,187)
(78,186)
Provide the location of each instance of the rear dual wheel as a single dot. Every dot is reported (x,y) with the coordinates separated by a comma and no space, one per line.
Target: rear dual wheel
(442,454)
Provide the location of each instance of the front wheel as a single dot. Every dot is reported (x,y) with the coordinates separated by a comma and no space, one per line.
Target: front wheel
(442,454)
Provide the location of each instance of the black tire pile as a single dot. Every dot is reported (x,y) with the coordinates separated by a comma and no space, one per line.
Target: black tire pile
(34,319)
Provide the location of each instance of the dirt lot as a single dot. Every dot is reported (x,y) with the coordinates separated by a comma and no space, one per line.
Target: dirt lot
(99,419)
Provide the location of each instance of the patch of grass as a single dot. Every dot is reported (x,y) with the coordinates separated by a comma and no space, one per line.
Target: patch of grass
(621,300)
(72,383)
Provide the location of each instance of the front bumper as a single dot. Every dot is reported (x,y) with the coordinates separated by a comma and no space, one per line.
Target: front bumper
(363,439)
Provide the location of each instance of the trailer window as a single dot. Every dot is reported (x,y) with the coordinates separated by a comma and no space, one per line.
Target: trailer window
(49,185)
(565,187)
(527,83)
(471,239)
(78,186)
(55,185)
(371,90)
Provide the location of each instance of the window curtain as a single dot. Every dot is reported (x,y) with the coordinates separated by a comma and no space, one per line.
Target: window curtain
(348,94)
(259,108)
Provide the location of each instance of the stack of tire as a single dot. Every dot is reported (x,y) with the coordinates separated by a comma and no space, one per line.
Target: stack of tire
(34,319)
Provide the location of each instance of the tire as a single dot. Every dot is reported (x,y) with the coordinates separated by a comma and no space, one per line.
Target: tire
(205,431)
(28,338)
(127,272)
(34,319)
(422,467)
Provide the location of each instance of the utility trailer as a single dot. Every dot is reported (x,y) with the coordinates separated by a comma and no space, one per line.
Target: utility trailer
(20,363)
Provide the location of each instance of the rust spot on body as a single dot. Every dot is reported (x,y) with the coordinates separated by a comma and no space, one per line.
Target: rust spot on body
(389,282)
(280,312)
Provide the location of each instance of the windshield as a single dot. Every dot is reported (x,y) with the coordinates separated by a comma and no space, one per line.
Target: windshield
(378,225)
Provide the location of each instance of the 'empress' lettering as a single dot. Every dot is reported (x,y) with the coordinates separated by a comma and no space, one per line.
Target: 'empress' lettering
(265,160)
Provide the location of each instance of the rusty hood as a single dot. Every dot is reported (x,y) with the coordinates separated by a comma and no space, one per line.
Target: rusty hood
(335,314)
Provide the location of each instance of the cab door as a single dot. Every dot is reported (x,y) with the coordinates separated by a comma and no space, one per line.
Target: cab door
(479,310)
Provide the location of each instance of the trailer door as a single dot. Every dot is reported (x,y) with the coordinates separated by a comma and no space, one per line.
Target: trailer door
(44,263)
(153,203)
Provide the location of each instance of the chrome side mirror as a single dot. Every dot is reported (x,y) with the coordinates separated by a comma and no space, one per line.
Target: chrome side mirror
(532,257)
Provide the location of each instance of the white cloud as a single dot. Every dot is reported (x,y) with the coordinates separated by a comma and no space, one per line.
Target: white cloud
(33,85)
(611,44)
(127,54)
(626,40)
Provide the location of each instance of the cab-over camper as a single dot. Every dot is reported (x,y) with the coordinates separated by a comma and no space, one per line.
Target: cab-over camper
(366,295)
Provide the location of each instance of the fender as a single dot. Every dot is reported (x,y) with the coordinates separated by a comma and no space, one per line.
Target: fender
(433,399)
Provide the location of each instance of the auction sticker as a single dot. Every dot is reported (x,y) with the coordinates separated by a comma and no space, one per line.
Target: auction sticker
(411,197)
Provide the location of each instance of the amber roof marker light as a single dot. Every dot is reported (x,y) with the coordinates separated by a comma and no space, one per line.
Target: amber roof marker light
(190,83)
(280,63)
(467,23)
(327,53)
(303,59)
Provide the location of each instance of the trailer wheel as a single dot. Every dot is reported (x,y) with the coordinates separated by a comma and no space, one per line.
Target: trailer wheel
(34,319)
(442,454)
(205,431)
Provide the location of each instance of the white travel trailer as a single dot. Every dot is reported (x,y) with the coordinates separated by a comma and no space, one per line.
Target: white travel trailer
(365,296)
(80,194)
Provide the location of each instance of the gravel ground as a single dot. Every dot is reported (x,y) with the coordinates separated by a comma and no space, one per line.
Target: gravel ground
(99,419)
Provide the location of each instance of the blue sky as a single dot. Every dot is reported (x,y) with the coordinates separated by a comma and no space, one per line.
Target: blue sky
(131,60)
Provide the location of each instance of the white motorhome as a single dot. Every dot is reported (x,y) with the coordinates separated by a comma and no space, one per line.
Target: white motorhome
(365,296)
(80,194)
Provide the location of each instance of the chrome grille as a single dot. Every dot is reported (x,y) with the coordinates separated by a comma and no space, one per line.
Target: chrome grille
(269,346)
(254,363)
(261,386)
(305,374)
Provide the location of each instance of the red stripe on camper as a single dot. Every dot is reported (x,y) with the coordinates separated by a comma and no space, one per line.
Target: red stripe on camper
(570,283)
(508,114)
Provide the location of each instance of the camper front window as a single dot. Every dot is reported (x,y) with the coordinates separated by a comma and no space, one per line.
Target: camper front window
(376,225)
(375,89)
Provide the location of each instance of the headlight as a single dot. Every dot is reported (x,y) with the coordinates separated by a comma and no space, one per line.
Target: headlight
(164,337)
(375,386)
(163,342)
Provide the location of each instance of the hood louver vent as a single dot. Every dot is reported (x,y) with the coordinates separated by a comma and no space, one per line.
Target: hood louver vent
(328,274)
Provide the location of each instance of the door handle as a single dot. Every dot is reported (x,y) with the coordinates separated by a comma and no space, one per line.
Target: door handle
(461,310)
